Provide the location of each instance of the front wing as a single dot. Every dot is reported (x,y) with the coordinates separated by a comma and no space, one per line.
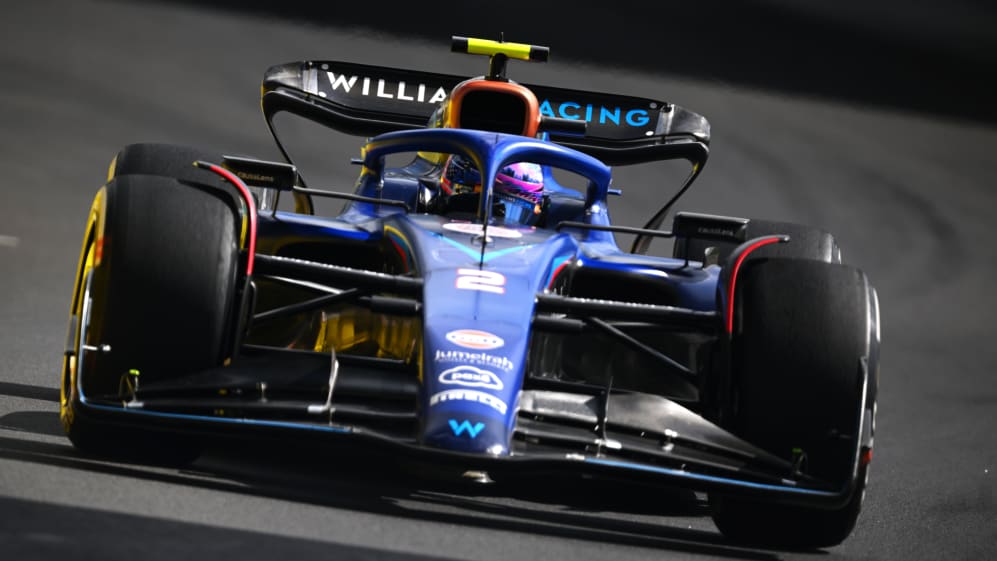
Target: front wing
(566,428)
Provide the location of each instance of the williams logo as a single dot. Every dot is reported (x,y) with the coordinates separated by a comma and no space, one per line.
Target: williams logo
(354,85)
(465,426)
(474,339)
(619,116)
(472,377)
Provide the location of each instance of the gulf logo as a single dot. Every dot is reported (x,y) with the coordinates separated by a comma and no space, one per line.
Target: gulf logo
(474,339)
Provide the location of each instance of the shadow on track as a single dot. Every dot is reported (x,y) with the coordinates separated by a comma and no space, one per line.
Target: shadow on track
(29,392)
(49,531)
(371,485)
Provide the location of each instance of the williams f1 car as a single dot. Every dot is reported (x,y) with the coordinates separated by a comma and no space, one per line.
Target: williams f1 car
(467,302)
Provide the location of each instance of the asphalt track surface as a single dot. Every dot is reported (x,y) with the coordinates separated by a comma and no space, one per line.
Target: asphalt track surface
(908,194)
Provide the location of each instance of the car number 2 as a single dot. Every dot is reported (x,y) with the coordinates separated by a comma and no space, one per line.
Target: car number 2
(486,281)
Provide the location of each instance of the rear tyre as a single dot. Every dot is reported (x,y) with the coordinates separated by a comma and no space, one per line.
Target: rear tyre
(805,242)
(158,286)
(805,339)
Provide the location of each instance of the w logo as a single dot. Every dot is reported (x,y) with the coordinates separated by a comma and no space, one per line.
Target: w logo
(458,429)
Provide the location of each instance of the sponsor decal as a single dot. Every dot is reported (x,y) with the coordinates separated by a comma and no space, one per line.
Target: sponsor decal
(255,177)
(366,86)
(469,395)
(590,113)
(475,339)
(393,89)
(483,359)
(485,281)
(465,426)
(716,231)
(470,376)
(478,230)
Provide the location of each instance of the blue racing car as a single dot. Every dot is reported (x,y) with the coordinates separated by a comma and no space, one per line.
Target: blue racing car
(467,303)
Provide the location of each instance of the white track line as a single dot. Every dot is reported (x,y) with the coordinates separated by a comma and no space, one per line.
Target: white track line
(9,241)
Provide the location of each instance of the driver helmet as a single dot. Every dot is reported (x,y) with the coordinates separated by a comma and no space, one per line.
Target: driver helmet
(517,193)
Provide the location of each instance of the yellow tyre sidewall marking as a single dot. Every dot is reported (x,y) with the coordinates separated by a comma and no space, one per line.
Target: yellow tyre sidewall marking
(89,259)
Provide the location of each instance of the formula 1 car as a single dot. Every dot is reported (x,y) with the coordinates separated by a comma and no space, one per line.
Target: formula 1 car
(469,304)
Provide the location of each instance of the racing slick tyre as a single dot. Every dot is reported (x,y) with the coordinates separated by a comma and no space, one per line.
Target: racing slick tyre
(167,160)
(154,297)
(804,364)
(805,242)
(174,160)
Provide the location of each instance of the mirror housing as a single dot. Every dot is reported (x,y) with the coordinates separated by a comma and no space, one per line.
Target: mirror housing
(261,173)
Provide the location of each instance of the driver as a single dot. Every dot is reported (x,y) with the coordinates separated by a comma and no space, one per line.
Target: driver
(517,193)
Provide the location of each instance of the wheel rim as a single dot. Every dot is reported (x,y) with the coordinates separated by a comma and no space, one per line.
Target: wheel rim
(71,365)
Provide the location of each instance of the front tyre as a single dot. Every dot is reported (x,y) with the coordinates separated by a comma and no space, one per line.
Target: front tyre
(804,360)
(157,286)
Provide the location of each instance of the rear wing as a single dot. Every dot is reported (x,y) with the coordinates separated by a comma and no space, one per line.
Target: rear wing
(366,100)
